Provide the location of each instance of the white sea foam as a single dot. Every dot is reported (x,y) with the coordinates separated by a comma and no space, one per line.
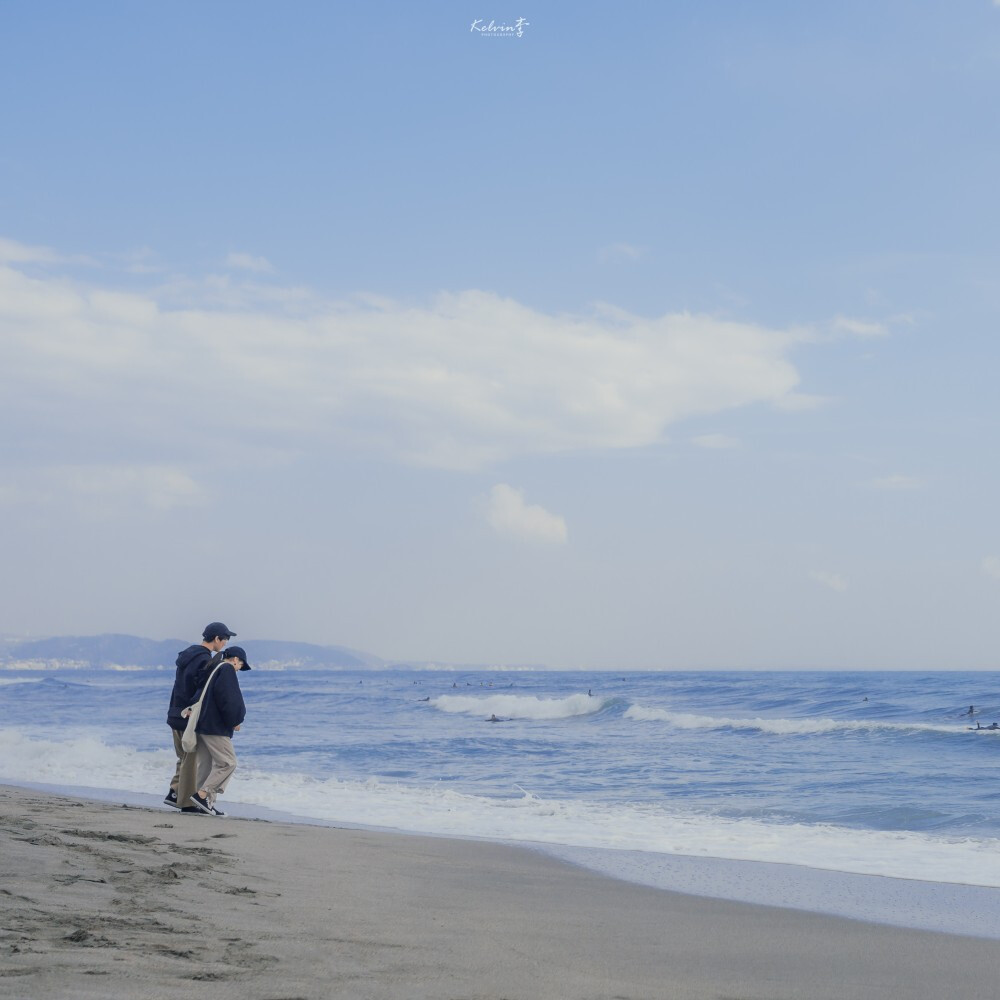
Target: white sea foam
(515,706)
(82,759)
(780,727)
(85,760)
(60,666)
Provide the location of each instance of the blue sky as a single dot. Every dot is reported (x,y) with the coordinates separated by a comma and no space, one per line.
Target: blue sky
(658,336)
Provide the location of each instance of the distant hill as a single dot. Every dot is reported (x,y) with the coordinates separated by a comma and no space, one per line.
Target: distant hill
(132,651)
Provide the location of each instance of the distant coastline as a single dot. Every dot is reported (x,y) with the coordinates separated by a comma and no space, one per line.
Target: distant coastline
(112,651)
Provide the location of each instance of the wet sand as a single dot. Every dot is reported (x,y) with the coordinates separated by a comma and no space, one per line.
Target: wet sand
(109,901)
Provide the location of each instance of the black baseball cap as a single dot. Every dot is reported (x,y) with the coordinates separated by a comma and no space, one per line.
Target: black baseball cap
(237,651)
(216,629)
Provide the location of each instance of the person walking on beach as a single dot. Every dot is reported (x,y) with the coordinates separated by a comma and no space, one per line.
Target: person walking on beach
(222,714)
(193,666)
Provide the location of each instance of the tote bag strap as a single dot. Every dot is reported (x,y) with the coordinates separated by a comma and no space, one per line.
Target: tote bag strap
(190,738)
(204,690)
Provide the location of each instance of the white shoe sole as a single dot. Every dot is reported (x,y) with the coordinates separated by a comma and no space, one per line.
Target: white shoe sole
(202,806)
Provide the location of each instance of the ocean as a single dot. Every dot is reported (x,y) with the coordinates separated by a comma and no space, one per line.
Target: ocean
(861,794)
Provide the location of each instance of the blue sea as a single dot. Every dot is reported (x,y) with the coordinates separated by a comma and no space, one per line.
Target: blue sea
(864,794)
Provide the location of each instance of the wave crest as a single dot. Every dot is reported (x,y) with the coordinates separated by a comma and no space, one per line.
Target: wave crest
(779,727)
(514,706)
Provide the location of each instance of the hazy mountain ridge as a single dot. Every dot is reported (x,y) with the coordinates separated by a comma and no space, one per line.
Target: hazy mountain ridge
(112,650)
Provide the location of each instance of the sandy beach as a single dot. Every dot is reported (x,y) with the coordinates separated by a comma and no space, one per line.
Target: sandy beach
(106,900)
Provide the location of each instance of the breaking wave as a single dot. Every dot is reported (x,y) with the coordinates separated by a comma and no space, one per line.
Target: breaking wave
(514,706)
(781,727)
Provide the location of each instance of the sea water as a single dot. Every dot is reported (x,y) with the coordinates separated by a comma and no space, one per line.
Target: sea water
(773,787)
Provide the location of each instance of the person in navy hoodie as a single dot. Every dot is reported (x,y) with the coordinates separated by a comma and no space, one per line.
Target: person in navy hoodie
(193,666)
(222,714)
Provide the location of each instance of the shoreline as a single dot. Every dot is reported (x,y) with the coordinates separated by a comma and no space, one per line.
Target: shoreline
(942,907)
(105,900)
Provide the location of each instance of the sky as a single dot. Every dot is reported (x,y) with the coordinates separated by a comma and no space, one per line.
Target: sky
(623,336)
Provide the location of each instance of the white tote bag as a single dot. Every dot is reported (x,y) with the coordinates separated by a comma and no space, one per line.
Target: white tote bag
(189,741)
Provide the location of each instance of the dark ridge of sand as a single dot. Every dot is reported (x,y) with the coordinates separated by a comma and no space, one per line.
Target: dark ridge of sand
(107,901)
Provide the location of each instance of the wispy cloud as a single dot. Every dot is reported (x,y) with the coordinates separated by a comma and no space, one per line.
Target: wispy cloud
(991,564)
(860,327)
(12,252)
(799,402)
(832,580)
(107,487)
(142,260)
(462,381)
(248,262)
(897,483)
(718,441)
(623,251)
(508,514)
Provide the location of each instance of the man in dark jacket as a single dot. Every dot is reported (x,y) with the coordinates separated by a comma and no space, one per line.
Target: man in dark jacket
(193,666)
(222,713)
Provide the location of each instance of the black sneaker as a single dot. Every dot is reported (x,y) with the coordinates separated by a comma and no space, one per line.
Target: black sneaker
(217,812)
(201,804)
(192,809)
(170,799)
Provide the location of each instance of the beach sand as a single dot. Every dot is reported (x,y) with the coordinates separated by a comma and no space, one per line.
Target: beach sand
(106,901)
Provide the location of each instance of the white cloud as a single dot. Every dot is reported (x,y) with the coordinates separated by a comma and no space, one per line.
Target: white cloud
(626,250)
(158,487)
(248,262)
(860,327)
(719,441)
(12,252)
(15,252)
(463,381)
(141,261)
(508,514)
(799,402)
(832,580)
(897,483)
(991,567)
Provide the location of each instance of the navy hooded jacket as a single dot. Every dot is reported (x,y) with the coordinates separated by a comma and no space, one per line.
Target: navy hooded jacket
(193,666)
(222,709)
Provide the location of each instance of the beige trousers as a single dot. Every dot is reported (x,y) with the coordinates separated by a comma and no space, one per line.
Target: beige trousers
(216,764)
(183,782)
